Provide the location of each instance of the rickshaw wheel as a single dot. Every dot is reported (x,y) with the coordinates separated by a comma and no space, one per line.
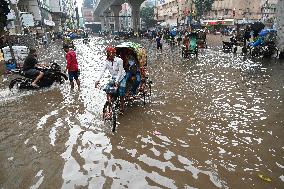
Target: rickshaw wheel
(113,118)
(109,114)
(147,92)
(107,111)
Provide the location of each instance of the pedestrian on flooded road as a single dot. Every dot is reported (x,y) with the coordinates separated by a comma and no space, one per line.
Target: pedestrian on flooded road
(72,66)
(159,43)
(44,41)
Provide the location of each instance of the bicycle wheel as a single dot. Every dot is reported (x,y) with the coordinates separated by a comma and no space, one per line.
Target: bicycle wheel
(17,83)
(113,116)
(107,111)
(147,92)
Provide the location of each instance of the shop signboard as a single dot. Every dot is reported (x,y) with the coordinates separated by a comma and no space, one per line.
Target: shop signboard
(11,15)
(27,19)
(49,22)
(14,2)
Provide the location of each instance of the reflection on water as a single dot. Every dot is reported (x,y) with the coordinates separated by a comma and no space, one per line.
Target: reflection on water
(214,121)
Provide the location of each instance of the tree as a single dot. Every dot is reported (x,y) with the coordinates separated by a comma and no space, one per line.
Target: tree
(203,6)
(147,16)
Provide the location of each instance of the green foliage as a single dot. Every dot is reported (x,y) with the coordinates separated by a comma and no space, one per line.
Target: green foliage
(203,6)
(147,16)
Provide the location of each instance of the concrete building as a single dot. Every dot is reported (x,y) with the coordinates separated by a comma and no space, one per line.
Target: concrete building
(51,14)
(280,25)
(236,9)
(243,10)
(58,15)
(39,9)
(174,12)
(91,21)
(268,10)
(125,19)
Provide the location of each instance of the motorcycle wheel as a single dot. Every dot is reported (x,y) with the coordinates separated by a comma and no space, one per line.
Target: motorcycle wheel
(17,83)
(61,78)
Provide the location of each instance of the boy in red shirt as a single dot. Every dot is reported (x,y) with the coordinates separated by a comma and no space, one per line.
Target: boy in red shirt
(72,66)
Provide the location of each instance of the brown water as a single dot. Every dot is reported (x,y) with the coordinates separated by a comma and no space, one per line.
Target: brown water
(213,122)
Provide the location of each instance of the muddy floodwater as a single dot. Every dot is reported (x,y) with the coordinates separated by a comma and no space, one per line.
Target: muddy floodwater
(215,121)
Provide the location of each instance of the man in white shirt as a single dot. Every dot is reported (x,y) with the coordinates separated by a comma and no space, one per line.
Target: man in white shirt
(115,66)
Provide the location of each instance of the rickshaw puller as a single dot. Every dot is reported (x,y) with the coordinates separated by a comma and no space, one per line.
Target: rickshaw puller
(115,66)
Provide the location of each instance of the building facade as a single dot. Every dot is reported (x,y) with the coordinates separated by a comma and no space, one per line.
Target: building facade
(268,10)
(125,18)
(174,12)
(280,26)
(48,15)
(243,10)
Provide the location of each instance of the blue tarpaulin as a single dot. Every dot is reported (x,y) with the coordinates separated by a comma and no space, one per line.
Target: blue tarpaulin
(73,35)
(174,32)
(264,32)
(258,42)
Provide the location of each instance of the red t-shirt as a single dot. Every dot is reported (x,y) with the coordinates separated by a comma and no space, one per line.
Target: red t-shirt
(72,64)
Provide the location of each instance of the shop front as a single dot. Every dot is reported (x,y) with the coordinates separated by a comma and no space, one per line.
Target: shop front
(225,22)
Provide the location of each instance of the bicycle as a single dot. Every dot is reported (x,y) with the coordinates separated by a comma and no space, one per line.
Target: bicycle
(111,106)
(112,103)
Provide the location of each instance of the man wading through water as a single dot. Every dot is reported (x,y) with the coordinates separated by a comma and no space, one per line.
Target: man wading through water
(72,66)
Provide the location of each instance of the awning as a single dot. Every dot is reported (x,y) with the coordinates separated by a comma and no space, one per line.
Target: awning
(164,24)
(245,21)
(92,22)
(217,22)
(48,22)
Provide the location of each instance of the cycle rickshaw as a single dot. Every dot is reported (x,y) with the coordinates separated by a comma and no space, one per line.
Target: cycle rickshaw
(201,39)
(138,86)
(68,41)
(189,45)
(265,44)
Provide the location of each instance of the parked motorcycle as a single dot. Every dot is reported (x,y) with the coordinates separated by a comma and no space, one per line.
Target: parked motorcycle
(51,74)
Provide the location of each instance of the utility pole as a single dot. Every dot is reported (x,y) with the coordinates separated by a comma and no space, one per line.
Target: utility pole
(156,5)
(41,15)
(18,29)
(77,17)
(177,14)
(77,14)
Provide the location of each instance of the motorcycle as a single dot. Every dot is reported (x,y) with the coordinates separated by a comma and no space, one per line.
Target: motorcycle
(51,74)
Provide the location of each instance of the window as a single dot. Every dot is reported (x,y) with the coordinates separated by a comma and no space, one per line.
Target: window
(226,11)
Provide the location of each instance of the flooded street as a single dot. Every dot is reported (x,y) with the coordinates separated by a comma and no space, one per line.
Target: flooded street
(215,121)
